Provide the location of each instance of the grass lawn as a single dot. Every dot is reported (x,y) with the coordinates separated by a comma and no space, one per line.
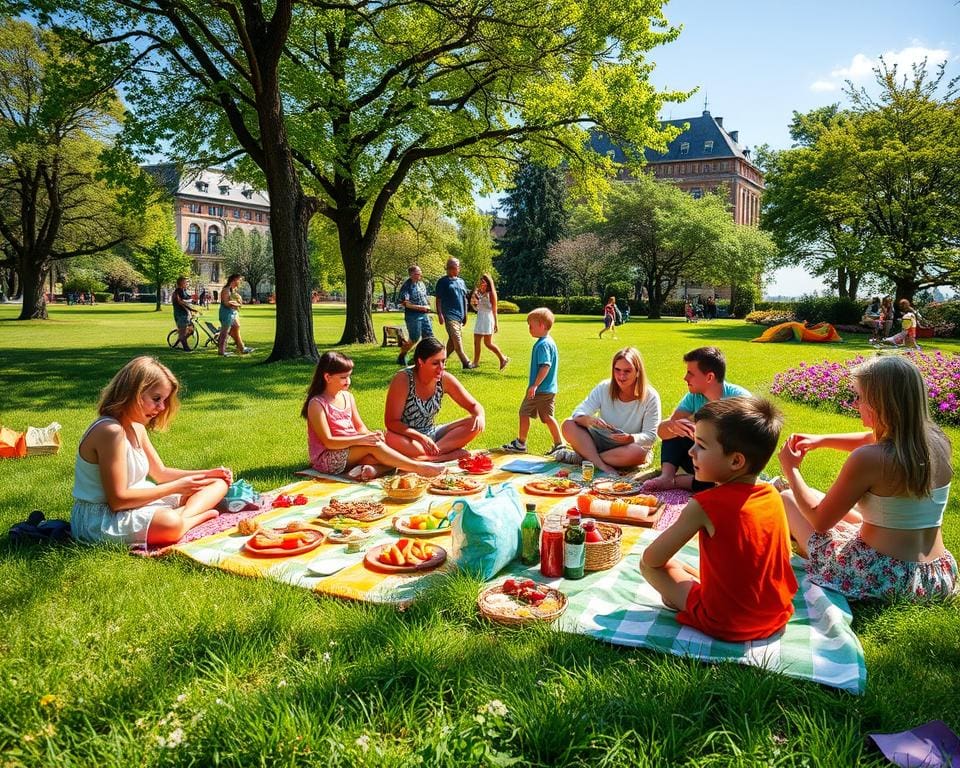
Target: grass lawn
(113,660)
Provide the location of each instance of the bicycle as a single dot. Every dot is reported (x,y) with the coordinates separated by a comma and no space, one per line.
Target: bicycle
(192,337)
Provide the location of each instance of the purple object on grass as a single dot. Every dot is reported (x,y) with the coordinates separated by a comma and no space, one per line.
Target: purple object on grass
(931,745)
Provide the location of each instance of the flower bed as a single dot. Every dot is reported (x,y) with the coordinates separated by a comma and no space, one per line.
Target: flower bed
(769,316)
(828,384)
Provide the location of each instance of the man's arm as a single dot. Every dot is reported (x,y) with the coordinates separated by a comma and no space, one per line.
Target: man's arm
(680,424)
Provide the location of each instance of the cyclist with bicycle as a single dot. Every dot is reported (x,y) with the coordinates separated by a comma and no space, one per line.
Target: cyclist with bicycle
(181,313)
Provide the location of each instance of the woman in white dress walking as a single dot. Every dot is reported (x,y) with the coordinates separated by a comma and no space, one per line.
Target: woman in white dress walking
(484,301)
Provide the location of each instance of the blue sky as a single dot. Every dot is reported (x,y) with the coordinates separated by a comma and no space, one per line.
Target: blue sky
(756,61)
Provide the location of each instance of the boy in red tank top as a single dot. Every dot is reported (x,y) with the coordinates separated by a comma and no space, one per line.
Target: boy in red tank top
(745,586)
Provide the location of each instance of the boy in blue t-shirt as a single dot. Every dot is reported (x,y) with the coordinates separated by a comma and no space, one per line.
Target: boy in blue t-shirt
(542,385)
(705,378)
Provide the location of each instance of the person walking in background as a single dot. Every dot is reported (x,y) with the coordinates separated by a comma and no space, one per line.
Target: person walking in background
(452,309)
(909,320)
(610,316)
(230,303)
(484,300)
(416,311)
(181,312)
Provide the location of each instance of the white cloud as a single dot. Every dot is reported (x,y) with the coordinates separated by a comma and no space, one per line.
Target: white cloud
(861,65)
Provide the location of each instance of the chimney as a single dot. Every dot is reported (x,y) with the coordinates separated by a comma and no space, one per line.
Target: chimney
(719,121)
(735,135)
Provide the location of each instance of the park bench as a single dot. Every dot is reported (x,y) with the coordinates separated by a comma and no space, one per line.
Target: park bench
(394,336)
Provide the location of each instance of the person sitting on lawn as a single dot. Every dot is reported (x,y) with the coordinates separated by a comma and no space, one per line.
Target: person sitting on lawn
(705,378)
(616,426)
(114,500)
(542,384)
(413,402)
(745,585)
(337,438)
(909,320)
(876,532)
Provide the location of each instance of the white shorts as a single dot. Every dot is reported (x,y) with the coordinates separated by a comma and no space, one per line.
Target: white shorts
(93,521)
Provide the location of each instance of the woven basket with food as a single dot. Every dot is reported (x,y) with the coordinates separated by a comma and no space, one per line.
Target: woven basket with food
(406,487)
(516,603)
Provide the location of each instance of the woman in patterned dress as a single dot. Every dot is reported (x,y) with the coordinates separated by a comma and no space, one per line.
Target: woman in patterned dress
(413,402)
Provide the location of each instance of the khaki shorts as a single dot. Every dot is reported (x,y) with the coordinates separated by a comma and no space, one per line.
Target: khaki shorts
(540,406)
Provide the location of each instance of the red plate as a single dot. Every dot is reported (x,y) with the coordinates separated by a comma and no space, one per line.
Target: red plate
(532,489)
(316,539)
(437,558)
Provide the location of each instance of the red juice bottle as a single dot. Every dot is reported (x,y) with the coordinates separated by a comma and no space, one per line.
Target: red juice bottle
(551,547)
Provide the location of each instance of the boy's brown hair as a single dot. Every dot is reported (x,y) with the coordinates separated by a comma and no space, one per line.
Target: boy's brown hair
(543,316)
(747,425)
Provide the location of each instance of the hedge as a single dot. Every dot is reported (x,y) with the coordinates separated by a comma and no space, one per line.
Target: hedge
(102,297)
(828,309)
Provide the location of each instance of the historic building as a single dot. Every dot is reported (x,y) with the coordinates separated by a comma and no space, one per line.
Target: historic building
(207,204)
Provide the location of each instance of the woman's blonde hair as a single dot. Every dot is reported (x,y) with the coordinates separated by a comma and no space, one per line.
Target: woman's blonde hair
(893,387)
(125,389)
(632,356)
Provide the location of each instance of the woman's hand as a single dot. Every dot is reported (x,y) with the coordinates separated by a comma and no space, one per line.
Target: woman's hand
(220,473)
(370,438)
(790,457)
(190,484)
(427,445)
(803,443)
(479,422)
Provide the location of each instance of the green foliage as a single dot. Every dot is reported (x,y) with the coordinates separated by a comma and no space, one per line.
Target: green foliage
(744,299)
(474,246)
(421,235)
(505,307)
(944,316)
(828,309)
(86,280)
(585,305)
(786,306)
(103,297)
(162,262)
(249,254)
(770,316)
(620,289)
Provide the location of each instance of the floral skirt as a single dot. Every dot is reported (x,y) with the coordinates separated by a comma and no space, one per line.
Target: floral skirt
(331,462)
(841,560)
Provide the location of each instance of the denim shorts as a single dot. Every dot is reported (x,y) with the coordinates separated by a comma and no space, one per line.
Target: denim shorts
(418,326)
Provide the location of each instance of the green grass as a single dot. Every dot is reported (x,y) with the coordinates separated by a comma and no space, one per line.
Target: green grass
(128,651)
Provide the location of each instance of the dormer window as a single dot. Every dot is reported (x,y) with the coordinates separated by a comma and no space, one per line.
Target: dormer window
(685,148)
(224,189)
(707,147)
(247,193)
(202,186)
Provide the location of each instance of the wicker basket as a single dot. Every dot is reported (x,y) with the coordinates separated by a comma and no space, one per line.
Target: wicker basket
(510,620)
(405,494)
(605,554)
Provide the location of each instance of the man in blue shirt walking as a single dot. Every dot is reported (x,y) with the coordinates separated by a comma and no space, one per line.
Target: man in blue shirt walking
(452,309)
(416,311)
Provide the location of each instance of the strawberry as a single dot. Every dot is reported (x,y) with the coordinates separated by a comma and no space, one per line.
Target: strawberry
(510,586)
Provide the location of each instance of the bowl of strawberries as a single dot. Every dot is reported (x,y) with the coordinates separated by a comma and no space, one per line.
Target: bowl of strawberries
(476,464)
(516,602)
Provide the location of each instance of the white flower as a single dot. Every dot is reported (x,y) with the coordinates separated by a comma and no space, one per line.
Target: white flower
(219,701)
(326,658)
(282,684)
(181,698)
(363,742)
(175,739)
(496,708)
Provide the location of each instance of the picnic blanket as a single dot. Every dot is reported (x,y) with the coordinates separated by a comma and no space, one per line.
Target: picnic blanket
(616,605)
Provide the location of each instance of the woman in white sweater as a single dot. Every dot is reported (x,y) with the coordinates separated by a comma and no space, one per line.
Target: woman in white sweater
(616,425)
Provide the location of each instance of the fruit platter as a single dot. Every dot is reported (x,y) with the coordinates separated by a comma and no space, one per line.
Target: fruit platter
(405,487)
(553,486)
(518,601)
(476,464)
(405,556)
(430,523)
(617,488)
(454,485)
(294,539)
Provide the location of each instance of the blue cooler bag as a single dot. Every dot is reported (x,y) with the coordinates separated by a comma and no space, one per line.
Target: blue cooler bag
(485,535)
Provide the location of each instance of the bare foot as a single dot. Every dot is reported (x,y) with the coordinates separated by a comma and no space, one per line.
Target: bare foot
(362,473)
(607,468)
(430,470)
(661,483)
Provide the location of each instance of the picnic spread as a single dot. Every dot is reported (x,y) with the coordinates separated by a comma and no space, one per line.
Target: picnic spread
(352,541)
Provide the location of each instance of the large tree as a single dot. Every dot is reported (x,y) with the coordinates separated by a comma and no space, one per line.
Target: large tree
(337,105)
(419,235)
(55,103)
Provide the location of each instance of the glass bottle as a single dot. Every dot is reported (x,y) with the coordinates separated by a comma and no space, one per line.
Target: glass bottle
(530,537)
(574,549)
(590,527)
(551,546)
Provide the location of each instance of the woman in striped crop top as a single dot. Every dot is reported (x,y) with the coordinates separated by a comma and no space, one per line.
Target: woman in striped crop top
(876,532)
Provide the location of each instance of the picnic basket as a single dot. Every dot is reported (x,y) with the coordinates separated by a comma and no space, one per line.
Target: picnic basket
(489,610)
(605,554)
(404,494)
(43,441)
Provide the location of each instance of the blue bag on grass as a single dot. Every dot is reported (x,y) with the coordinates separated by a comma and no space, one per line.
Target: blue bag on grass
(485,535)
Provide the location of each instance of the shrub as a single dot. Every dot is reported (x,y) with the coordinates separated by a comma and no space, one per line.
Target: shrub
(783,306)
(556,304)
(828,383)
(503,306)
(101,297)
(585,305)
(618,288)
(828,309)
(744,298)
(673,308)
(769,316)
(944,316)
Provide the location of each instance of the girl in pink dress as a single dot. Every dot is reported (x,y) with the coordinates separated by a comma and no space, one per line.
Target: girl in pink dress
(337,438)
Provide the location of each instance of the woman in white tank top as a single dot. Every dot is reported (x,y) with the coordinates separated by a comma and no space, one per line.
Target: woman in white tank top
(123,492)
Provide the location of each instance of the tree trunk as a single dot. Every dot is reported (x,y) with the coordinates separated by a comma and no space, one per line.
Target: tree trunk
(854,283)
(655,299)
(905,289)
(33,273)
(358,269)
(157,309)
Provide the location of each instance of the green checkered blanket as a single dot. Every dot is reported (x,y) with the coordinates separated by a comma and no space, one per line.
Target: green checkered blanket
(619,607)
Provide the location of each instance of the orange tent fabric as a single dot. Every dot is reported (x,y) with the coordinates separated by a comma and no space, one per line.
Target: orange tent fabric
(800,332)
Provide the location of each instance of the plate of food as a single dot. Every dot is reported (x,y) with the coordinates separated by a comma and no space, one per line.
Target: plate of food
(342,512)
(476,464)
(517,602)
(430,523)
(553,486)
(618,488)
(454,485)
(283,542)
(405,556)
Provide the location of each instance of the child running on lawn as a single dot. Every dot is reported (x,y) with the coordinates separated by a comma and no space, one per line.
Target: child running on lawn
(745,586)
(114,499)
(542,384)
(337,438)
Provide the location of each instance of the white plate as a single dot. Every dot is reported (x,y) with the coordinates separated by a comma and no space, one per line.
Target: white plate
(329,565)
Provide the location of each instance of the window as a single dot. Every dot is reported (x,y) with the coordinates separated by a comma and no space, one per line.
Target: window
(236,213)
(685,148)
(247,215)
(259,217)
(214,274)
(707,147)
(212,210)
(193,239)
(723,165)
(194,207)
(213,240)
(224,189)
(202,186)
(247,193)
(696,193)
